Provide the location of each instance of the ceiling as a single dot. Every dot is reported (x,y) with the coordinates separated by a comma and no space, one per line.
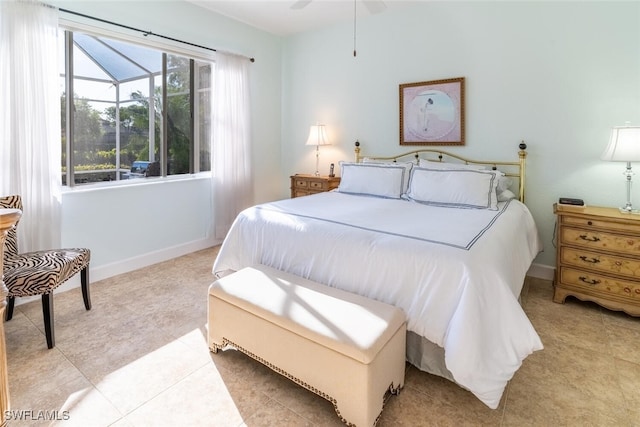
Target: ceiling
(278,17)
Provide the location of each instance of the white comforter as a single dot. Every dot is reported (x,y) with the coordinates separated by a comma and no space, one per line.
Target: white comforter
(456,273)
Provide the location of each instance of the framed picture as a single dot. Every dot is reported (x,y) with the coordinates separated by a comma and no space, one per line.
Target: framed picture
(432,113)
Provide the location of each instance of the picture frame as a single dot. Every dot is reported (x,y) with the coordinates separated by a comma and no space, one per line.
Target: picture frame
(432,112)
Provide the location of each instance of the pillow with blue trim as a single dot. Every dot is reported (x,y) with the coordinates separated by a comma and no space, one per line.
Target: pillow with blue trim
(456,188)
(406,165)
(503,182)
(372,179)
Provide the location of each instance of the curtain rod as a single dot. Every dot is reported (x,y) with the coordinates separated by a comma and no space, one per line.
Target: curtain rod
(144,33)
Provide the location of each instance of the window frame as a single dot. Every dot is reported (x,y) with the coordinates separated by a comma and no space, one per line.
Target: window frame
(197,58)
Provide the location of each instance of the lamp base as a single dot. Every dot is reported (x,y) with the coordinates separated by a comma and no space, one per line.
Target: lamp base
(629,210)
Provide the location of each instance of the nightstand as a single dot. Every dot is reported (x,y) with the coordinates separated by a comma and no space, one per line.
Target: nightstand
(303,185)
(598,257)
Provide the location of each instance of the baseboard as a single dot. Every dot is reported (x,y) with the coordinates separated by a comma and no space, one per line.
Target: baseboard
(130,264)
(541,271)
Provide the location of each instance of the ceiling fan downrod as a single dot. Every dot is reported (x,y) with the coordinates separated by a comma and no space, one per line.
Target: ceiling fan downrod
(355,5)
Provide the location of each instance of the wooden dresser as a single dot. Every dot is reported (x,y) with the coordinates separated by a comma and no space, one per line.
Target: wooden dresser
(303,185)
(8,217)
(598,257)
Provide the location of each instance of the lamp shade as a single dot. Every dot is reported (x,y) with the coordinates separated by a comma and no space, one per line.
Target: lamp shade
(624,145)
(318,135)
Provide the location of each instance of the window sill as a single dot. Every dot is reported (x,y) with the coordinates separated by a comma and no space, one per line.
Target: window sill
(126,183)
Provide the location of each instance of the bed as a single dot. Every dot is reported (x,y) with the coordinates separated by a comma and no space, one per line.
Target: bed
(447,239)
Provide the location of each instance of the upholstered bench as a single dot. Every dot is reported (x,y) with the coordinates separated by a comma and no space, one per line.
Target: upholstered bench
(344,347)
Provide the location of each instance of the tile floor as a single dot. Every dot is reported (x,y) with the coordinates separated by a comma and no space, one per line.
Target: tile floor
(140,358)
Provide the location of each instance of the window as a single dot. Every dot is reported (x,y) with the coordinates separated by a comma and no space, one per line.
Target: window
(136,112)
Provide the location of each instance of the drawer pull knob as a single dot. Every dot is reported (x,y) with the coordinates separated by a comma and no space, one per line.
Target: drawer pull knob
(627,290)
(589,239)
(637,291)
(589,223)
(589,281)
(589,260)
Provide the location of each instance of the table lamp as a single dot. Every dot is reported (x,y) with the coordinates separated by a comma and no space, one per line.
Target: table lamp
(318,137)
(624,146)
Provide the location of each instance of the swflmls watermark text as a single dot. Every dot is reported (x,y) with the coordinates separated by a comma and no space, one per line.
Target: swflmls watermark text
(33,415)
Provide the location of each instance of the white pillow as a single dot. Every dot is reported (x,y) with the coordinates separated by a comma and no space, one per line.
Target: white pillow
(458,188)
(406,165)
(503,182)
(505,195)
(430,164)
(372,179)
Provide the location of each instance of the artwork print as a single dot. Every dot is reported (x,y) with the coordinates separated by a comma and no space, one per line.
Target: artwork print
(432,113)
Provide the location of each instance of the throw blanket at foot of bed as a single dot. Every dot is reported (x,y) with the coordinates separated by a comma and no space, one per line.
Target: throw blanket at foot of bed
(344,347)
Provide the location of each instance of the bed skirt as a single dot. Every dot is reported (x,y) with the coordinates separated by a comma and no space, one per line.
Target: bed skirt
(427,356)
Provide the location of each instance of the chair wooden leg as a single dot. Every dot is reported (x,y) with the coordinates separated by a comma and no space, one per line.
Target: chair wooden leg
(8,314)
(84,279)
(47,313)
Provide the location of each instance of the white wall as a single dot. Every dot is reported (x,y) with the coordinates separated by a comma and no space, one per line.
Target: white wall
(555,74)
(139,224)
(132,226)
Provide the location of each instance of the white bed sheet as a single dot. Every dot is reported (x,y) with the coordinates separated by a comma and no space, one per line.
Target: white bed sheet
(456,273)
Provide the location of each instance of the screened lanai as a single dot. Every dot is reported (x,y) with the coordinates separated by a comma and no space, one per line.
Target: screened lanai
(117,121)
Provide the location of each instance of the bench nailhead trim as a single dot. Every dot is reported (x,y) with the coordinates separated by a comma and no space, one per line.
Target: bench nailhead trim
(225,342)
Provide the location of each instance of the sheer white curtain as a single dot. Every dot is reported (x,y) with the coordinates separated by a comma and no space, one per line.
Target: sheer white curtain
(30,119)
(231,152)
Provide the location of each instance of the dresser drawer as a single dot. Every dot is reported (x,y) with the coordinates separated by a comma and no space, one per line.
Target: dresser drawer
(301,183)
(600,240)
(316,185)
(601,283)
(595,222)
(600,262)
(299,193)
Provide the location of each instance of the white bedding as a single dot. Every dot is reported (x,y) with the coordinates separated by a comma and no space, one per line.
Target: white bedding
(456,273)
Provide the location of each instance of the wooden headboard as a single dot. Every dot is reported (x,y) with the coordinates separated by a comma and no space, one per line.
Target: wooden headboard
(515,169)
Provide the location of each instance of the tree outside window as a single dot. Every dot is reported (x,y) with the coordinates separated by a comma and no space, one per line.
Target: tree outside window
(136,112)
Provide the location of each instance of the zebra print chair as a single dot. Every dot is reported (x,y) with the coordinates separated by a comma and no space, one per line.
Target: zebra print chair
(40,272)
